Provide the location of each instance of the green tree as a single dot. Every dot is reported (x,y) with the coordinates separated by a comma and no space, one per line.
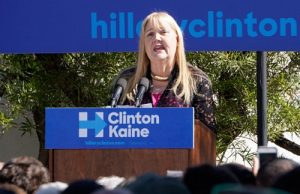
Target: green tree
(234,80)
(33,82)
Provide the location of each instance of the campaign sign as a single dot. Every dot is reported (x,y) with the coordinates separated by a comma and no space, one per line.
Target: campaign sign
(64,26)
(93,128)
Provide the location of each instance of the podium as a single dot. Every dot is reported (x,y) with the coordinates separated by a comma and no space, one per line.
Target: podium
(70,165)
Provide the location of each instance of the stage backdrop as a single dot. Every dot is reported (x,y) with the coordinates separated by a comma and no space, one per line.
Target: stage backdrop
(62,26)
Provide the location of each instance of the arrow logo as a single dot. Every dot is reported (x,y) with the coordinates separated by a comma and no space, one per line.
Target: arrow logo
(98,124)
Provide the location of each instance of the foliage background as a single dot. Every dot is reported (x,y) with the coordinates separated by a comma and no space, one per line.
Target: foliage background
(32,82)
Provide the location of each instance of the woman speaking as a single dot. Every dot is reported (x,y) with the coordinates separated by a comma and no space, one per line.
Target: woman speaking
(173,82)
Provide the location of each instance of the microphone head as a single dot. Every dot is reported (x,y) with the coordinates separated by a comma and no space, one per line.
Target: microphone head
(119,88)
(143,87)
(145,82)
(122,82)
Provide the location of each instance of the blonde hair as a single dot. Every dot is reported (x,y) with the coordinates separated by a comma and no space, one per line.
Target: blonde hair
(185,85)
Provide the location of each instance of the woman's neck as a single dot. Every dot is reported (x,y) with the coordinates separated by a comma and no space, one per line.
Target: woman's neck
(161,70)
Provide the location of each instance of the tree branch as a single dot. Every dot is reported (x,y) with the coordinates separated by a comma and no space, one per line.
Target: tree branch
(288,145)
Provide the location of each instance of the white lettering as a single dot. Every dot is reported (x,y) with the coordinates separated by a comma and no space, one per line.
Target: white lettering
(122,118)
(115,131)
(111,119)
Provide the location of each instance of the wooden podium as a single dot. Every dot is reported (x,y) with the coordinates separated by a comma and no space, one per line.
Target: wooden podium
(70,165)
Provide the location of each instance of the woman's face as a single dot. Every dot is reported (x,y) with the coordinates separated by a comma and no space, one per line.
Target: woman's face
(160,43)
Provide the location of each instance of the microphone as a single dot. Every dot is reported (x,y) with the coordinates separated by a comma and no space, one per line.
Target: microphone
(143,86)
(120,86)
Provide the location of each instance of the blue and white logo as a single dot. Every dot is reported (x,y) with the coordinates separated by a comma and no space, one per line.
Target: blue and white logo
(93,128)
(97,124)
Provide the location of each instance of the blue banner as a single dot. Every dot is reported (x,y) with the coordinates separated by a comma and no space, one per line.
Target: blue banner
(118,128)
(63,26)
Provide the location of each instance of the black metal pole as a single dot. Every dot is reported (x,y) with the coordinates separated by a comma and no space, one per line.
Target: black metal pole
(261,99)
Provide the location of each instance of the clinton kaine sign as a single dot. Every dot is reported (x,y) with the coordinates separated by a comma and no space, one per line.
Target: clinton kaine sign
(60,26)
(92,128)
